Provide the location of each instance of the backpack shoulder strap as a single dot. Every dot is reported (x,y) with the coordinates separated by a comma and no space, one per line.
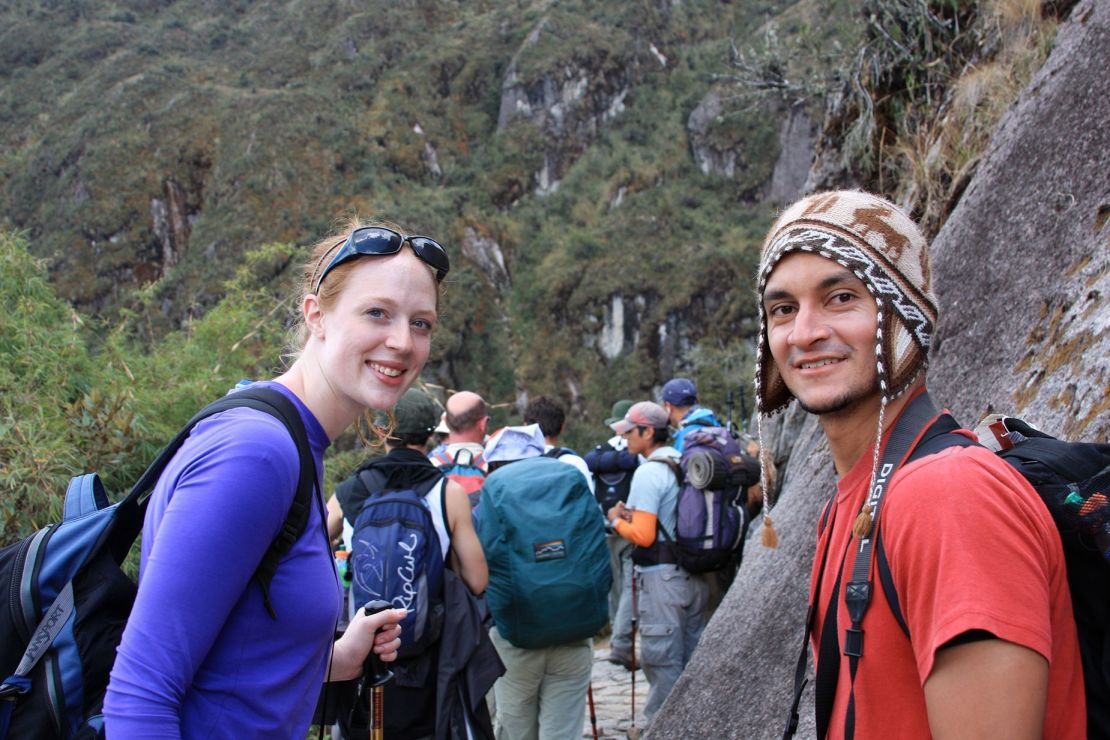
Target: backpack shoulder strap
(277,405)
(936,438)
(671,463)
(455,459)
(373,481)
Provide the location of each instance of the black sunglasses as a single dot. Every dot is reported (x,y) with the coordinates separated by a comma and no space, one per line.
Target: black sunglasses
(380,241)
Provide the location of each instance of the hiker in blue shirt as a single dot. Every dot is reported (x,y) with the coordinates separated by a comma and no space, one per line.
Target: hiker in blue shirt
(680,399)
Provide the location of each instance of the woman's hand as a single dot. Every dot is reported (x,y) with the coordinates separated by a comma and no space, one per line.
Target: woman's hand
(380,632)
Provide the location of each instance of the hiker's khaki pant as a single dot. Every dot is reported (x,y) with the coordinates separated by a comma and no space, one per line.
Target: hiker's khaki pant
(542,695)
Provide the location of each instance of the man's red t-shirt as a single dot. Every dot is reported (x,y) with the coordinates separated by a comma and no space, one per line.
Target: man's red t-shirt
(971,547)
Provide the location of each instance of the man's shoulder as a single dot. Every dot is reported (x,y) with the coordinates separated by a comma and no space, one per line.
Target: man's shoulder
(700,416)
(969,483)
(665,458)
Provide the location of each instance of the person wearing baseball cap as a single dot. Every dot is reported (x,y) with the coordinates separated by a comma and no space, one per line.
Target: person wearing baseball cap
(405,466)
(671,601)
(680,399)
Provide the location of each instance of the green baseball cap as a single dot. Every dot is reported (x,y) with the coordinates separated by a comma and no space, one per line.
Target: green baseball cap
(620,408)
(415,413)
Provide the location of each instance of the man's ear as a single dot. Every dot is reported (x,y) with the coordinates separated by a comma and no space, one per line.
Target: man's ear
(313,316)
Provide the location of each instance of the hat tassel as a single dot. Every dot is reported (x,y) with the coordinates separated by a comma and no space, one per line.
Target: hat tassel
(862,527)
(769,535)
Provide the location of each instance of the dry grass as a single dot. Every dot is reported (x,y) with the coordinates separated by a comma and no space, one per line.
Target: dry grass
(936,159)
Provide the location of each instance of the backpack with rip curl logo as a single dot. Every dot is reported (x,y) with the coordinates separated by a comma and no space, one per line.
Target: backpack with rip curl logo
(396,556)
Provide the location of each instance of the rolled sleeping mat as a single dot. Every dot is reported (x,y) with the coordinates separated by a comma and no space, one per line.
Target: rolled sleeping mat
(706,470)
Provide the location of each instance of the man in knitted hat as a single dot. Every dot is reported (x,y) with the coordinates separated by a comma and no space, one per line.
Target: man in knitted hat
(670,601)
(971,632)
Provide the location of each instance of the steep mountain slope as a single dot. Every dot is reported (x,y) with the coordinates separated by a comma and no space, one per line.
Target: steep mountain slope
(601,188)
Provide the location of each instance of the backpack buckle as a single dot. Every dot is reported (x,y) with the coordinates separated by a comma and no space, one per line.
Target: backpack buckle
(853,642)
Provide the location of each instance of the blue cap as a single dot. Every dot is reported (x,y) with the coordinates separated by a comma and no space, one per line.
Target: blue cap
(680,392)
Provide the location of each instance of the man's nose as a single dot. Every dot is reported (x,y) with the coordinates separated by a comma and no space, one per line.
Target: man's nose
(809,327)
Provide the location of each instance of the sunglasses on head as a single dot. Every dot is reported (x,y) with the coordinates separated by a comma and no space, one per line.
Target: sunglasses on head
(379,241)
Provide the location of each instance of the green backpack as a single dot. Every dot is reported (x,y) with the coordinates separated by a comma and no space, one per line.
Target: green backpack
(544,539)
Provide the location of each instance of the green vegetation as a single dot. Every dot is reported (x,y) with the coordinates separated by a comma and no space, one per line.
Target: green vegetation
(163,167)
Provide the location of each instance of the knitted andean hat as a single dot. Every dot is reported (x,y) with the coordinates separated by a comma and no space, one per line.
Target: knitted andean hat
(887,251)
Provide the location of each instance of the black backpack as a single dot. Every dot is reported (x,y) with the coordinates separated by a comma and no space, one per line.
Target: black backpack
(67,600)
(1073,480)
(612,470)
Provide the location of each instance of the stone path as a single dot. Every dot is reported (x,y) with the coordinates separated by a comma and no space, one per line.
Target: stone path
(612,687)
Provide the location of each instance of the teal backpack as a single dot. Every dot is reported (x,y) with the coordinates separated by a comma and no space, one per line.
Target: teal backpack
(544,539)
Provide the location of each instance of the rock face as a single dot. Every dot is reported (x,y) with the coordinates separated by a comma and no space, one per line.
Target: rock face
(571,104)
(1022,266)
(1021,269)
(170,221)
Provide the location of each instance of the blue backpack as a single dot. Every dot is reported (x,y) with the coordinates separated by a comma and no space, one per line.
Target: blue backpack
(396,557)
(68,600)
(544,540)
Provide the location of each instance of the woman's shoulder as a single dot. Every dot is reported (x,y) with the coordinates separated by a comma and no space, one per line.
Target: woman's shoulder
(252,442)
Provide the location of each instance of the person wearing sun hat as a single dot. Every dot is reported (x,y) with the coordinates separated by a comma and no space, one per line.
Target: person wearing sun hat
(544,688)
(612,466)
(847,318)
(670,602)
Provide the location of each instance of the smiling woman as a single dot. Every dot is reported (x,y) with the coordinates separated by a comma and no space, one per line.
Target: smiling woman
(203,654)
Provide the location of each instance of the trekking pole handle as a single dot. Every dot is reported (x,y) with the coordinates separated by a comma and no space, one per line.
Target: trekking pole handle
(374,669)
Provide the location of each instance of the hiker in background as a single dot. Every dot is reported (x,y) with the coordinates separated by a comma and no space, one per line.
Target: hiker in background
(440,436)
(612,466)
(551,419)
(467,419)
(413,709)
(979,639)
(549,580)
(670,602)
(680,399)
(201,655)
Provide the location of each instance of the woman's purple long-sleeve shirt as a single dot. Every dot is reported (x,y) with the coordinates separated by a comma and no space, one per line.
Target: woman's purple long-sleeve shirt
(200,656)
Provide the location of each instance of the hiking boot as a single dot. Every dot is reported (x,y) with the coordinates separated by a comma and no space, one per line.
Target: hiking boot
(621,658)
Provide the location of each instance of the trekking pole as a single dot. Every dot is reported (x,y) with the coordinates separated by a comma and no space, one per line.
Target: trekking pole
(743,411)
(730,424)
(593,713)
(633,733)
(376,676)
